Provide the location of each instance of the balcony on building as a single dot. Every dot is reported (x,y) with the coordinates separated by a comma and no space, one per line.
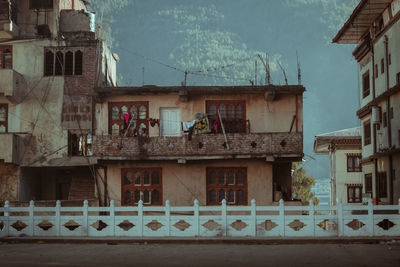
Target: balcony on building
(269,146)
(8,20)
(12,85)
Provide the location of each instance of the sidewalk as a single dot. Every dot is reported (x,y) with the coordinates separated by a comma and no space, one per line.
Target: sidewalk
(204,240)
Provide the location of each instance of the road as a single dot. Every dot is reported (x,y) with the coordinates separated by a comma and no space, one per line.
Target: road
(135,254)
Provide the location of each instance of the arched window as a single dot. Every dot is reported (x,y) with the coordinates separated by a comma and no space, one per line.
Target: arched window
(221,110)
(49,63)
(115,113)
(212,111)
(231,111)
(69,63)
(78,62)
(142,112)
(59,63)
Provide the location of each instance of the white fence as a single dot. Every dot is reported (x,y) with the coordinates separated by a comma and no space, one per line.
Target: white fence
(200,221)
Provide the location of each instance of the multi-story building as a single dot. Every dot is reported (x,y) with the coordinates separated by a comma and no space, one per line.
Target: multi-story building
(241,147)
(50,61)
(344,150)
(374,26)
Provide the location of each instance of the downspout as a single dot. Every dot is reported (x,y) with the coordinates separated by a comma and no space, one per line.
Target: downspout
(374,126)
(389,125)
(332,173)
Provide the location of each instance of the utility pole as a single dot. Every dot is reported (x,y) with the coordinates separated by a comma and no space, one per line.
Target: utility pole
(298,69)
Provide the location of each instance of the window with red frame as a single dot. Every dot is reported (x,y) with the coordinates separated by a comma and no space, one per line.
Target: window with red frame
(232,112)
(141,184)
(226,183)
(139,118)
(353,163)
(5,57)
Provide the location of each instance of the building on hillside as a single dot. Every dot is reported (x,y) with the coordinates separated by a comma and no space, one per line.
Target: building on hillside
(51,58)
(241,146)
(346,179)
(322,191)
(374,25)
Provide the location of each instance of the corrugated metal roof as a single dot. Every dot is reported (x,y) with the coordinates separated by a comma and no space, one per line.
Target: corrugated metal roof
(366,12)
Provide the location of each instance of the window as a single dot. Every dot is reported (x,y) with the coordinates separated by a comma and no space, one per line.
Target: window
(128,116)
(5,57)
(232,112)
(39,4)
(354,193)
(384,119)
(367,133)
(141,184)
(227,183)
(365,84)
(382,184)
(376,71)
(353,162)
(382,65)
(79,144)
(62,61)
(3,118)
(368,183)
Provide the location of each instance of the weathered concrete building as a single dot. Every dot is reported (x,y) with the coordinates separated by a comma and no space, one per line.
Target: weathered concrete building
(50,61)
(255,132)
(374,26)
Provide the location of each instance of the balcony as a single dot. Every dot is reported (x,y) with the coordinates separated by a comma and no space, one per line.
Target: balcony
(12,85)
(8,18)
(205,146)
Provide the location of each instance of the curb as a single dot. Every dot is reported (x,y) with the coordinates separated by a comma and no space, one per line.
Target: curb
(242,241)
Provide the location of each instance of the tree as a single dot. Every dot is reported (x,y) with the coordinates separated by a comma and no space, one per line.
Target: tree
(302,185)
(206,49)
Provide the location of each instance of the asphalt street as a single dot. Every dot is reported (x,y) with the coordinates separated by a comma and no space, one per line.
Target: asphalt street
(135,254)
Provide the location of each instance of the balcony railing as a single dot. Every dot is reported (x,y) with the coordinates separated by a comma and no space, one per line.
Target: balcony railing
(12,85)
(202,146)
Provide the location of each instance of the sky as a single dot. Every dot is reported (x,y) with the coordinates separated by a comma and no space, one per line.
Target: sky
(166,37)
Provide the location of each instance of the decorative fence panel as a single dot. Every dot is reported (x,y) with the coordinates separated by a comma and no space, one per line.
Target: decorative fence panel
(200,221)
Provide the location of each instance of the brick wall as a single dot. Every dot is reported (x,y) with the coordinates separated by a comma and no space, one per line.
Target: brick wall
(201,145)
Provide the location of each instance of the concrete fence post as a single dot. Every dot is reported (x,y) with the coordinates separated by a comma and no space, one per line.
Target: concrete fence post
(370,218)
(253,217)
(340,218)
(312,216)
(85,219)
(196,218)
(58,218)
(32,217)
(6,218)
(224,218)
(112,217)
(281,218)
(168,217)
(140,217)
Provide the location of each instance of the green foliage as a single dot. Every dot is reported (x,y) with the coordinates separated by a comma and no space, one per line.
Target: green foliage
(302,185)
(206,46)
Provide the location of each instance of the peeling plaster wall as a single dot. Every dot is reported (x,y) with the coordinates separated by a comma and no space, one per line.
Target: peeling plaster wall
(183,183)
(8,182)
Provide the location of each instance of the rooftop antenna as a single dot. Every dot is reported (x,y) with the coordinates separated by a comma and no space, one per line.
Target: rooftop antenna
(298,69)
(284,73)
(266,66)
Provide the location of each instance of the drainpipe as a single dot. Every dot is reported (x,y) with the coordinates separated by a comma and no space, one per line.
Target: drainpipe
(389,125)
(374,126)
(332,173)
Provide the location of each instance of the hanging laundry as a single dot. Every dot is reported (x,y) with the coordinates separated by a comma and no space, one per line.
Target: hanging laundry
(202,126)
(186,125)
